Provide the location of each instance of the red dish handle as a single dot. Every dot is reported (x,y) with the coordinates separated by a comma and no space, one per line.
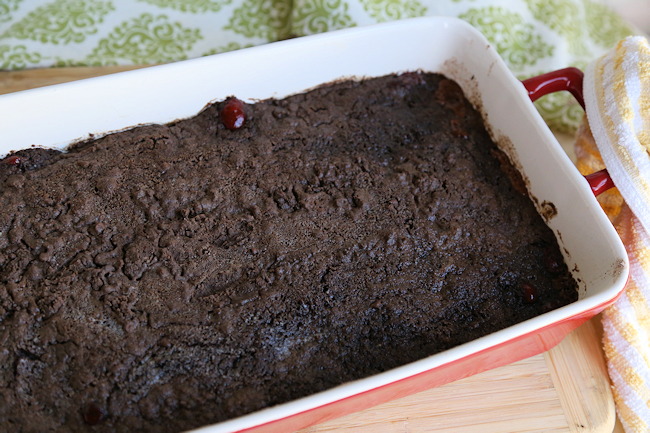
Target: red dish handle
(569,79)
(600,181)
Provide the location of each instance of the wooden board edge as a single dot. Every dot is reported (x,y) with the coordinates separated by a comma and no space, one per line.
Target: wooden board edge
(579,373)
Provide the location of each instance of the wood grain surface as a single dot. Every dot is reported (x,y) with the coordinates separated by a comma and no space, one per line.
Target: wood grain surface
(563,390)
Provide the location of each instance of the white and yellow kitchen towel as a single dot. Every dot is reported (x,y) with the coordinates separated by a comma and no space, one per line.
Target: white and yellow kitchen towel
(533,36)
(617,97)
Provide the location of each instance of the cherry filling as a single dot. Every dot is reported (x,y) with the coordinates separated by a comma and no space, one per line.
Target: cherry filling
(232,114)
(529,293)
(552,264)
(13,160)
(92,414)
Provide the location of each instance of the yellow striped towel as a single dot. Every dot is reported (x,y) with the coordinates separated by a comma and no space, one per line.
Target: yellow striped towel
(617,97)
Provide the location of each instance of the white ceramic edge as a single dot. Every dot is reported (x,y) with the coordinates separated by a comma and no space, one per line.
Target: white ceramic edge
(421,43)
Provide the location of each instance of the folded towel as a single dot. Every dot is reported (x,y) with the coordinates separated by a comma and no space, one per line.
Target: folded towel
(617,97)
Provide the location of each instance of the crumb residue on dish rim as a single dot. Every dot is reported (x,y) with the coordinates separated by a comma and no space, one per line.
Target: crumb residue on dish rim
(548,210)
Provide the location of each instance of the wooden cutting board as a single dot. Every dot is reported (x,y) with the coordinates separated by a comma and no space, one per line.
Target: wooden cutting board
(563,390)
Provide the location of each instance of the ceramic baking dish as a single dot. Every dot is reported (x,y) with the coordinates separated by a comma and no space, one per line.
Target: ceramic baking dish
(59,115)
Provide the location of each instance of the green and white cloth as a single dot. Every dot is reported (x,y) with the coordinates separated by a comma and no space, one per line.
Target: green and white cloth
(533,36)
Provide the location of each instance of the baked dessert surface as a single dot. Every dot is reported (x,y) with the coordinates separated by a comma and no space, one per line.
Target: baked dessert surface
(173,276)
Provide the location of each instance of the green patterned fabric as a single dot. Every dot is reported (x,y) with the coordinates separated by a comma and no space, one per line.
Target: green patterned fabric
(533,36)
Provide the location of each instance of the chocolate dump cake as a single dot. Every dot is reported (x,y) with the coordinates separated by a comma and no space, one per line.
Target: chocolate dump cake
(172,276)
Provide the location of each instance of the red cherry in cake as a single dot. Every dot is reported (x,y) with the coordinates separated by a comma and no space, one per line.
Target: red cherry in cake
(232,114)
(552,264)
(13,160)
(529,293)
(93,415)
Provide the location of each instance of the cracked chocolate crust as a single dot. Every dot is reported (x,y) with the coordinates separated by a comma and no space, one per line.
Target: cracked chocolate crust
(172,276)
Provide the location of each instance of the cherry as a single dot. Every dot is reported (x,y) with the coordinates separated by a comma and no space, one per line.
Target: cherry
(232,114)
(13,160)
(552,263)
(93,415)
(529,293)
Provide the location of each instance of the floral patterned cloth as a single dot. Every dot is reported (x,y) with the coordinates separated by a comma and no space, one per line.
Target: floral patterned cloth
(533,36)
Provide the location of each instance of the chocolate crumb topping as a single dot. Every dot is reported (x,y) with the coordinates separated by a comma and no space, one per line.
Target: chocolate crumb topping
(173,276)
